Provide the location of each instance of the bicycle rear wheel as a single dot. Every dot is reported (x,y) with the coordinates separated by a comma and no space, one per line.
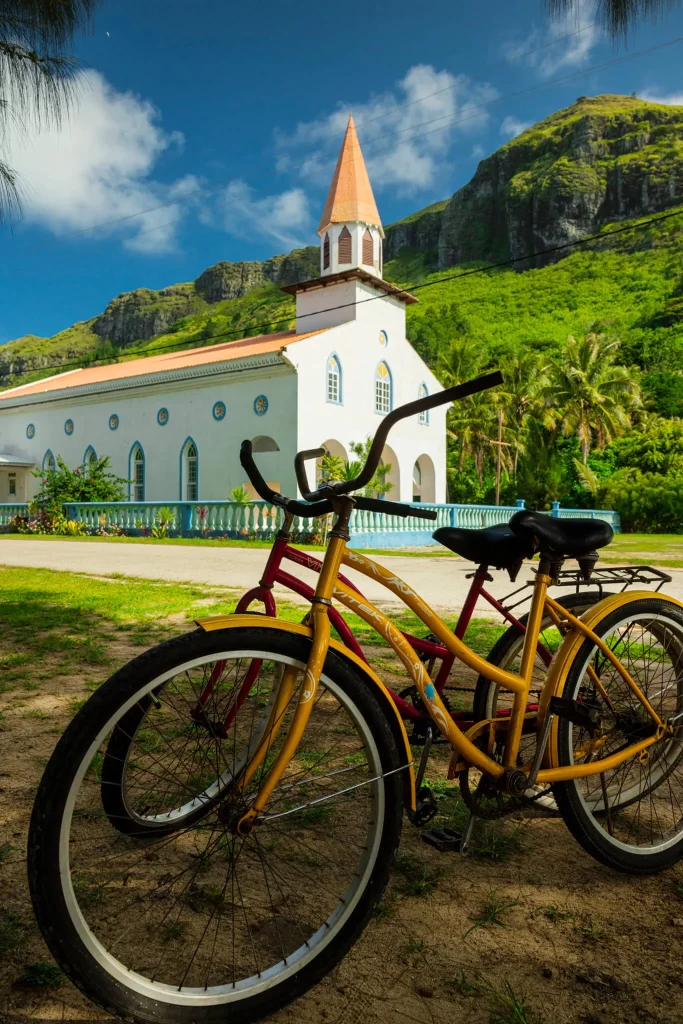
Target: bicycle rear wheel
(194,922)
(629,817)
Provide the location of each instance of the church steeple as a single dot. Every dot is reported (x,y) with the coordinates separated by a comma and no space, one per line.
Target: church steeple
(350,227)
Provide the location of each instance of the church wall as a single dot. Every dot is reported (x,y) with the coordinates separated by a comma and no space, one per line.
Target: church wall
(190,406)
(359,347)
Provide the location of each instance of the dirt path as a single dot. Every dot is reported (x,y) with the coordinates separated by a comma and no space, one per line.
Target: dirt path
(528,916)
(442,582)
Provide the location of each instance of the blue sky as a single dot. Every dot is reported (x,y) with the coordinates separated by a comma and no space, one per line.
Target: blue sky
(209,131)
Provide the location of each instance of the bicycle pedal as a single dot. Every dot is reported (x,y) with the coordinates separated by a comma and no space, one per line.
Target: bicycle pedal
(445,840)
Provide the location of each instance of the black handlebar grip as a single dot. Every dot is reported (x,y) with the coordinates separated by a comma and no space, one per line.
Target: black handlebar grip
(394,508)
(300,468)
(252,471)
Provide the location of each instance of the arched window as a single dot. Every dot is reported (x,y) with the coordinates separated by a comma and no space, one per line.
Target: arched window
(344,247)
(368,249)
(136,472)
(423,417)
(383,395)
(49,464)
(189,471)
(334,380)
(90,457)
(326,252)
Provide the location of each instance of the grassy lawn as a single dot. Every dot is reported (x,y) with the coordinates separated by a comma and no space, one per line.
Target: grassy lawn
(665,549)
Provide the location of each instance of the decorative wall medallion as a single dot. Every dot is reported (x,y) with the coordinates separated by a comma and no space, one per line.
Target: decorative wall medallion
(30,431)
(261,405)
(69,427)
(113,421)
(383,339)
(162,417)
(219,410)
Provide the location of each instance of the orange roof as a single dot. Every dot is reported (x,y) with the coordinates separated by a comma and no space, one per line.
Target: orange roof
(350,197)
(164,363)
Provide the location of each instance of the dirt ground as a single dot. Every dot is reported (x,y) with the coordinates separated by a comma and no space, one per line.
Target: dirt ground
(528,928)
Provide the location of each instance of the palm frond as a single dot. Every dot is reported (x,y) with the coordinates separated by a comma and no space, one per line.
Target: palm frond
(10,193)
(36,89)
(43,25)
(617,16)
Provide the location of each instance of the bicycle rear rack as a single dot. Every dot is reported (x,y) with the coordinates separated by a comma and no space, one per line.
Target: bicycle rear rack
(622,576)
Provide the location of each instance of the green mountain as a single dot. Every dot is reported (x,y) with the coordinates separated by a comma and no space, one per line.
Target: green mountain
(605,162)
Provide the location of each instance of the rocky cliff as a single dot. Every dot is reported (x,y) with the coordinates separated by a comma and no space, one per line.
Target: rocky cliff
(603,159)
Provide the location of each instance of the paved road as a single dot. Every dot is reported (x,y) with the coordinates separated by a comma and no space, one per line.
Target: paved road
(441,581)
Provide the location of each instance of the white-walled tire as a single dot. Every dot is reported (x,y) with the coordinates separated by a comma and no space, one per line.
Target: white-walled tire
(202,925)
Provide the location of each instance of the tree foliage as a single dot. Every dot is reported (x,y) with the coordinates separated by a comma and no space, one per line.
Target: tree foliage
(89,482)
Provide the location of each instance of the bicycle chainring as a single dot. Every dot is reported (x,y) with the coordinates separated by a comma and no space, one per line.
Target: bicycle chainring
(485,801)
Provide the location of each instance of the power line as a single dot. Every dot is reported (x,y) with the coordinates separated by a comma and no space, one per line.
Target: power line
(330,309)
(452,121)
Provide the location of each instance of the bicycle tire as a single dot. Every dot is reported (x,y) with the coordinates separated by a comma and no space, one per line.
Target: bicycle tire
(96,971)
(578,807)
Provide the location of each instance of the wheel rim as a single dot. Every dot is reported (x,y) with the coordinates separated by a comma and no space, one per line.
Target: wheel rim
(637,806)
(200,915)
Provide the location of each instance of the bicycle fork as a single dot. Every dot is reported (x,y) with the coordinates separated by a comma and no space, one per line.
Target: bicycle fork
(309,688)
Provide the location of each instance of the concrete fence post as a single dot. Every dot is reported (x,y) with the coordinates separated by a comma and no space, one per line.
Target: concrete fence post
(520,502)
(555,510)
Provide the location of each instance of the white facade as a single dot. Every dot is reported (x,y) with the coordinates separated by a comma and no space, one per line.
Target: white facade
(172,425)
(163,417)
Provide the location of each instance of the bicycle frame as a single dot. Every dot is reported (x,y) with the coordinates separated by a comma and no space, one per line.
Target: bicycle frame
(330,585)
(273,573)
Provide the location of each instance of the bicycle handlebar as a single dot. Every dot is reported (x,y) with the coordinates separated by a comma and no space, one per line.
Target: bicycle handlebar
(470,387)
(320,508)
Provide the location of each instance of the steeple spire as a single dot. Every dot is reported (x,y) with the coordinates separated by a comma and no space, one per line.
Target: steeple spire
(350,198)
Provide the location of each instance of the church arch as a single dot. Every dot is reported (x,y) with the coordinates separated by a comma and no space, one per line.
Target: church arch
(393,477)
(332,447)
(189,471)
(136,472)
(263,443)
(90,456)
(424,480)
(49,464)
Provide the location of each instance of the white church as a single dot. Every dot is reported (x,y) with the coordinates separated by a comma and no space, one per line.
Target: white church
(172,423)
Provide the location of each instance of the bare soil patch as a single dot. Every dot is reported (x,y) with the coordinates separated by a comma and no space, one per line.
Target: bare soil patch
(526,929)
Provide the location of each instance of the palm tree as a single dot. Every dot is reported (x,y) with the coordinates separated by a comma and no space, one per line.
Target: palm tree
(37,82)
(588,394)
(461,361)
(519,397)
(618,16)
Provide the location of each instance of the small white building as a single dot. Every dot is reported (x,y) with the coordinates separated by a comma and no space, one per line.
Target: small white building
(172,423)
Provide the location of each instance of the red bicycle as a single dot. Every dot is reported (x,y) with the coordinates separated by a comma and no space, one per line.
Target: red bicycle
(486,547)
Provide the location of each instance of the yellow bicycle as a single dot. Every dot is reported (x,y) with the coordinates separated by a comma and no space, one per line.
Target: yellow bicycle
(233,856)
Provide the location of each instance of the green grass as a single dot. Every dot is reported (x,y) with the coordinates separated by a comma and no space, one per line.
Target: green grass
(41,975)
(491,912)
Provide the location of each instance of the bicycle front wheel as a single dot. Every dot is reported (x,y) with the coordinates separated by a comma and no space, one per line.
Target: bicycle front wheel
(191,921)
(629,817)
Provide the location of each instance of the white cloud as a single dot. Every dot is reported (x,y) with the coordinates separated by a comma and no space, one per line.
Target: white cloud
(582,35)
(672,99)
(405,143)
(478,151)
(512,126)
(284,217)
(98,167)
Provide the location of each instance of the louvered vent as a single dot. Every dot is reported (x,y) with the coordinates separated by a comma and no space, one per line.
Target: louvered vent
(368,249)
(326,253)
(344,246)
